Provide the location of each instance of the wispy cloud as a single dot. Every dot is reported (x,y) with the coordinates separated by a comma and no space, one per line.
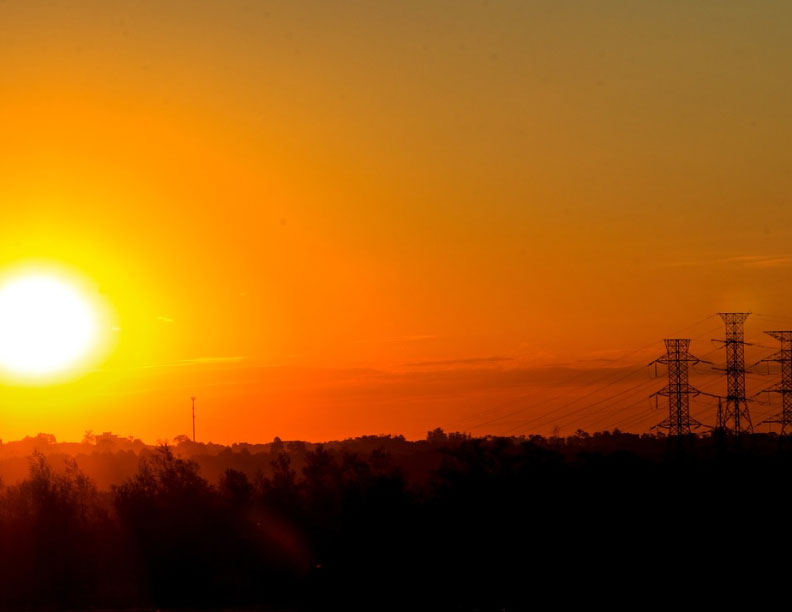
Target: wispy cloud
(164,319)
(472,361)
(771,262)
(192,362)
(414,338)
(749,261)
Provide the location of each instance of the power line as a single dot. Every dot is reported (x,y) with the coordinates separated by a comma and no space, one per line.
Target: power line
(577,376)
(539,419)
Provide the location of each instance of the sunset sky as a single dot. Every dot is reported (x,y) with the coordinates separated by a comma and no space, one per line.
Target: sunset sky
(328,219)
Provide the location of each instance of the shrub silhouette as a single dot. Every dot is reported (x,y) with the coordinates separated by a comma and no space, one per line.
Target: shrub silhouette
(452,522)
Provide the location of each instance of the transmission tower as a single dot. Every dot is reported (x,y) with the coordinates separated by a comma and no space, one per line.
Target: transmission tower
(678,359)
(784,357)
(735,412)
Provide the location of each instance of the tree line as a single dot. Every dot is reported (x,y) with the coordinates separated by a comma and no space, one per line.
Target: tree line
(492,524)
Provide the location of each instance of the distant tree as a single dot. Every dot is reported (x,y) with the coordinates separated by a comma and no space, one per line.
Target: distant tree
(89,437)
(297,447)
(280,492)
(353,468)
(380,459)
(321,470)
(436,436)
(282,474)
(235,487)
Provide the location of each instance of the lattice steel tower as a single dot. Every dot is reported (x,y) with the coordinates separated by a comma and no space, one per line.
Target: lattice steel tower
(784,357)
(735,412)
(678,391)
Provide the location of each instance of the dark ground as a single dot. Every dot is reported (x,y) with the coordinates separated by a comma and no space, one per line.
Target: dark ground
(379,523)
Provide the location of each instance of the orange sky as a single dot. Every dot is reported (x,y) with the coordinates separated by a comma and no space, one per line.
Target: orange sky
(330,219)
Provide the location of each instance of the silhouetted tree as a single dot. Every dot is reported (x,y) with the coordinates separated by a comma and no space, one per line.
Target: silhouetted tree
(379,522)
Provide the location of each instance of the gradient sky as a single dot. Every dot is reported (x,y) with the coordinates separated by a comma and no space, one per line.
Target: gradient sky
(327,219)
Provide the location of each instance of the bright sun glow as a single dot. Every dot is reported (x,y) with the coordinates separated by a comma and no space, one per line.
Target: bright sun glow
(47,326)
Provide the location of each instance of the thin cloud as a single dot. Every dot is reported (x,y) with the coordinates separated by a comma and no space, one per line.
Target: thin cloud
(773,262)
(164,319)
(753,261)
(457,362)
(414,338)
(192,362)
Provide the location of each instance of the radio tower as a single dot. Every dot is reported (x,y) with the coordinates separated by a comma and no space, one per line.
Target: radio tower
(784,357)
(736,409)
(193,416)
(678,391)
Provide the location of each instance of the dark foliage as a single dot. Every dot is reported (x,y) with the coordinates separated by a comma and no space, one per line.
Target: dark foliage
(498,523)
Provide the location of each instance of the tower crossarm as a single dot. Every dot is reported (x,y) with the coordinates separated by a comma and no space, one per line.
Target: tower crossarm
(778,356)
(673,389)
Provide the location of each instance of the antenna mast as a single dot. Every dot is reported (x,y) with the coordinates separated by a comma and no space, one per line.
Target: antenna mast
(193,416)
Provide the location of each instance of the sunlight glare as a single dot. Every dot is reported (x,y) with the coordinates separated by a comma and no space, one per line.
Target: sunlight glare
(47,326)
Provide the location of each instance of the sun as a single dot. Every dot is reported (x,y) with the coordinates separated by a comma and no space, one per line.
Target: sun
(49,325)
